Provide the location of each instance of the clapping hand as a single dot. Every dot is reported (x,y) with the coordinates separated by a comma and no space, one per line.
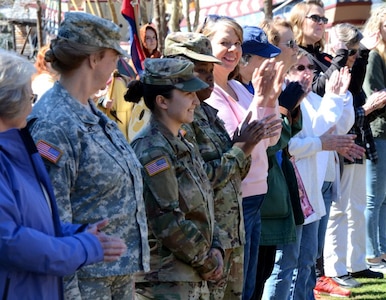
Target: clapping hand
(253,132)
(267,81)
(343,144)
(339,81)
(377,100)
(291,95)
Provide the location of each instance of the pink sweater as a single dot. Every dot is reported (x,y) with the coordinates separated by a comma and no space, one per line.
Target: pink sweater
(233,113)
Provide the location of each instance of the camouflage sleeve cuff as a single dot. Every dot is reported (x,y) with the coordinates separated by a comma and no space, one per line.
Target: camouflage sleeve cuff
(209,264)
(240,156)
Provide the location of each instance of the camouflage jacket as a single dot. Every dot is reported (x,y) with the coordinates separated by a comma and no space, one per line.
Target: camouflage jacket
(95,175)
(226,165)
(179,206)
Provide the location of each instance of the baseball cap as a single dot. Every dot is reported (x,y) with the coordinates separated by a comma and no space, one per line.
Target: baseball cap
(191,44)
(172,71)
(256,43)
(87,29)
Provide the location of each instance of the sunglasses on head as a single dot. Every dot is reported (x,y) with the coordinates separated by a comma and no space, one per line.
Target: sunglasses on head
(303,67)
(290,44)
(352,52)
(318,19)
(214,18)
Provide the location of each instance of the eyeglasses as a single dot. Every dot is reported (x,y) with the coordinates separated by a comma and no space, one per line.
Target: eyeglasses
(33,98)
(290,44)
(303,67)
(318,19)
(352,52)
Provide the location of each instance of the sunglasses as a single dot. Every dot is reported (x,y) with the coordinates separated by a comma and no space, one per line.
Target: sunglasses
(352,52)
(303,67)
(318,19)
(290,44)
(33,98)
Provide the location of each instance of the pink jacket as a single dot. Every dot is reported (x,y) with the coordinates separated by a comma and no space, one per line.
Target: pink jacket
(233,113)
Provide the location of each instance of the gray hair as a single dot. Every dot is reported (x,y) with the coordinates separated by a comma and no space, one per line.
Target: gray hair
(348,34)
(15,80)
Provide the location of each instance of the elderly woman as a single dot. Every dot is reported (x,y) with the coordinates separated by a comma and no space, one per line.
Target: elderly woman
(95,172)
(36,249)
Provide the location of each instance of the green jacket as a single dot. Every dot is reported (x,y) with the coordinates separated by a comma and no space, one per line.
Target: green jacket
(375,80)
(281,211)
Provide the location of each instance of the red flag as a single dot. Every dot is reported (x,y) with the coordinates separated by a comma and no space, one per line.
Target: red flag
(130,11)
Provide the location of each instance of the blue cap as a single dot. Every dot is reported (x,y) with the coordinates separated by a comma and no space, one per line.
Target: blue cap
(256,43)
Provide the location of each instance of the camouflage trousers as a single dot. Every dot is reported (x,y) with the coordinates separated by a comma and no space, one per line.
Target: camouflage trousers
(100,288)
(172,290)
(230,287)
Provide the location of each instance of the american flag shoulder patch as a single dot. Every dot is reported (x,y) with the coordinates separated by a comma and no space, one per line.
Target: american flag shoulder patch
(156,166)
(48,151)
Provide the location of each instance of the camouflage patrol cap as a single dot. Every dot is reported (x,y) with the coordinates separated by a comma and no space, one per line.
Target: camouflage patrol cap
(172,71)
(193,45)
(87,29)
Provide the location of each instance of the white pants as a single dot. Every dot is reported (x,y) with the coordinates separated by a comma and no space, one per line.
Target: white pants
(345,241)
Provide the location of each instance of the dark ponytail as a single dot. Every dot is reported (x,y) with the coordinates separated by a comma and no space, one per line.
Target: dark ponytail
(137,89)
(134,91)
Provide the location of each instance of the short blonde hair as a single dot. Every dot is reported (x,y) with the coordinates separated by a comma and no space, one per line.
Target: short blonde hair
(270,28)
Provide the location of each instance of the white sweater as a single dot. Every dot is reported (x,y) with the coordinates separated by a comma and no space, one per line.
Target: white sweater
(319,115)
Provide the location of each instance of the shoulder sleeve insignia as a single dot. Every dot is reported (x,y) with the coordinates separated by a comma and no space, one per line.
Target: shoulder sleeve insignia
(48,151)
(156,166)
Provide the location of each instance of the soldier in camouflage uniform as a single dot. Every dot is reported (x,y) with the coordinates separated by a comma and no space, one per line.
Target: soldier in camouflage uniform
(185,250)
(227,161)
(94,171)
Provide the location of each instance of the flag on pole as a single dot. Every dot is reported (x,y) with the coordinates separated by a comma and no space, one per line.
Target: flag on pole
(130,11)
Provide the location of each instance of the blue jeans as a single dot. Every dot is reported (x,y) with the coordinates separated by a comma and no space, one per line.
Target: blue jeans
(327,197)
(252,223)
(278,285)
(376,203)
(304,285)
